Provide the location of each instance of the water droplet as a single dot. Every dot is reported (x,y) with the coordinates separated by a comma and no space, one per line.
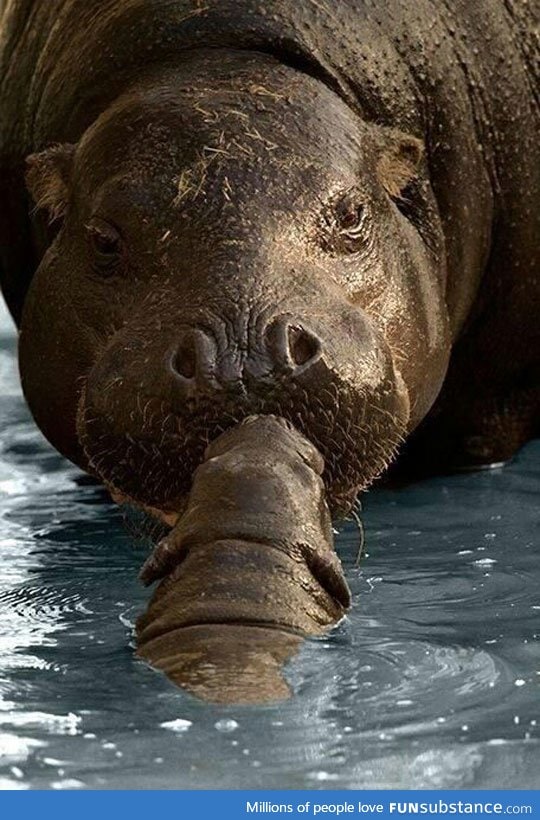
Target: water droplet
(321,776)
(226,725)
(68,783)
(178,725)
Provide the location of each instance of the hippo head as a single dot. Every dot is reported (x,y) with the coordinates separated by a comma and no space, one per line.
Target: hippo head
(232,238)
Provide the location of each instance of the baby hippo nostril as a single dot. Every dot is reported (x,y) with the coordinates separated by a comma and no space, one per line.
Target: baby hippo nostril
(303,346)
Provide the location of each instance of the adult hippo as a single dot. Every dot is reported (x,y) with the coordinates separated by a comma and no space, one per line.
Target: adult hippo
(320,211)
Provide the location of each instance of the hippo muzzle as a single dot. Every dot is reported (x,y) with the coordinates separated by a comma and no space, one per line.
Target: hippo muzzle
(284,348)
(154,400)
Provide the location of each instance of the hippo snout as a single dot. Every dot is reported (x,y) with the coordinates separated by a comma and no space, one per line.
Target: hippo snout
(171,381)
(205,360)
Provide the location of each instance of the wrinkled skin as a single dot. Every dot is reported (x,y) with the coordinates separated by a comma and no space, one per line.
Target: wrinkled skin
(233,207)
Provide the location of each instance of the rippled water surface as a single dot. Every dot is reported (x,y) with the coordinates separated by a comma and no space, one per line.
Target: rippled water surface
(433,681)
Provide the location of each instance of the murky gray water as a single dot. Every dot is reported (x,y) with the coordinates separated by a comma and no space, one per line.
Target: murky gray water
(432,682)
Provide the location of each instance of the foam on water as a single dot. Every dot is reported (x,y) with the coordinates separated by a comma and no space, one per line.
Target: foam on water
(432,681)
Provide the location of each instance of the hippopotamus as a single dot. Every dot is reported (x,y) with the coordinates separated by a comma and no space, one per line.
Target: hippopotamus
(320,212)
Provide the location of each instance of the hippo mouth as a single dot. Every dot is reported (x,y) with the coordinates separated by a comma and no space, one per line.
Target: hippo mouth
(204,592)
(151,460)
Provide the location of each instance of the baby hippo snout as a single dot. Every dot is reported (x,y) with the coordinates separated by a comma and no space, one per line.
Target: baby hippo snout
(248,570)
(206,360)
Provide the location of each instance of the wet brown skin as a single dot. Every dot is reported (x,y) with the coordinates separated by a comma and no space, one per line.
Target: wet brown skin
(248,570)
(242,232)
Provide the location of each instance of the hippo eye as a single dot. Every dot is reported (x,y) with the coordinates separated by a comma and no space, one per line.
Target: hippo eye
(349,217)
(105,243)
(344,224)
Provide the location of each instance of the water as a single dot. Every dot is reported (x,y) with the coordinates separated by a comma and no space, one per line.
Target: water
(432,682)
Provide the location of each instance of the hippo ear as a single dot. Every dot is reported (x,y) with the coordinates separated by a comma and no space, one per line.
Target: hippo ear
(47,178)
(399,162)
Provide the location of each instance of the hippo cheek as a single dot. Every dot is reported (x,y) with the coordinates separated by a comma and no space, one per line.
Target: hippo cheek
(54,351)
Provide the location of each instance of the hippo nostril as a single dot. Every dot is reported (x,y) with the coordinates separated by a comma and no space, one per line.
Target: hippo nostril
(303,346)
(193,362)
(292,347)
(185,359)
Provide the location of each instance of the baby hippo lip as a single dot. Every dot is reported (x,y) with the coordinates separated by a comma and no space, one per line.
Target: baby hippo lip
(239,582)
(171,552)
(226,663)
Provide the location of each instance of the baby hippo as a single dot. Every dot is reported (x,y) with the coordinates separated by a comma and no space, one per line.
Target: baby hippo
(248,568)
